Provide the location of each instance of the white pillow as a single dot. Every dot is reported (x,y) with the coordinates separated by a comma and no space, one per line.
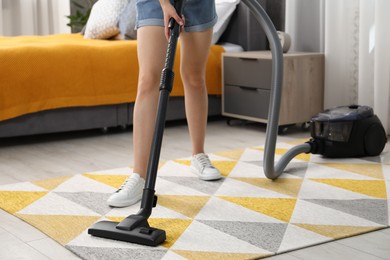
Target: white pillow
(224,9)
(103,20)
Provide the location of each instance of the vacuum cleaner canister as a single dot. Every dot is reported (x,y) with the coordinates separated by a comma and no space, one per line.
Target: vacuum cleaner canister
(347,131)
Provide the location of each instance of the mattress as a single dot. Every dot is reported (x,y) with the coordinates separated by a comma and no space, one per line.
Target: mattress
(40,73)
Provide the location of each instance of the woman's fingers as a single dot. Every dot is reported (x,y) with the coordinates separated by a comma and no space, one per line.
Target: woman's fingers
(170,12)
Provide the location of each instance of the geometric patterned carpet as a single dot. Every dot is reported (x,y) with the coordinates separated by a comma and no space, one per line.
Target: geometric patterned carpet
(242,216)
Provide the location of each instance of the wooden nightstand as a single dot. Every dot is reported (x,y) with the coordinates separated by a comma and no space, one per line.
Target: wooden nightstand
(246,79)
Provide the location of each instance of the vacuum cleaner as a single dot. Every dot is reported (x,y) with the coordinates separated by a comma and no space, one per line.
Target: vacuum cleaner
(350,131)
(340,132)
(347,131)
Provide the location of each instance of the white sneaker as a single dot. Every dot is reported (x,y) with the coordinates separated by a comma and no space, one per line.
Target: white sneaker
(201,166)
(129,193)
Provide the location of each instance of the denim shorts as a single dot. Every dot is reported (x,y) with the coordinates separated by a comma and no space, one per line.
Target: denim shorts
(199,15)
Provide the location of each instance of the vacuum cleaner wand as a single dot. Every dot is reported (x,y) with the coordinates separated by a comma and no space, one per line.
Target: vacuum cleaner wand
(135,228)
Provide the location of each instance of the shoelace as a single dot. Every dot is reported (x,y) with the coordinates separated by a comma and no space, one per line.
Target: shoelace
(128,184)
(204,161)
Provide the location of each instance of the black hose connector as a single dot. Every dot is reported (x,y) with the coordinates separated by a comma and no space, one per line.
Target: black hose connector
(316,146)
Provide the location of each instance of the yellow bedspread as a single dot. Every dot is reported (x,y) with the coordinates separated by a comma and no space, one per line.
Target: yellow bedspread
(65,70)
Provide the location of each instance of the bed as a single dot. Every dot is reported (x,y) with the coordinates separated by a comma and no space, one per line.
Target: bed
(63,83)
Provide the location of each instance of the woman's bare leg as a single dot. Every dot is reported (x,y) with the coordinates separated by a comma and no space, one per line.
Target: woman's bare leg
(151,55)
(152,46)
(195,47)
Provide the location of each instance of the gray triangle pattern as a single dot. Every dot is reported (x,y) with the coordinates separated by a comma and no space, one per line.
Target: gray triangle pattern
(105,253)
(297,169)
(375,159)
(374,210)
(257,163)
(207,187)
(267,236)
(92,200)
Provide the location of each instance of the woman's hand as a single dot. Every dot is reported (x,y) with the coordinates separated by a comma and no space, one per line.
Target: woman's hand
(170,12)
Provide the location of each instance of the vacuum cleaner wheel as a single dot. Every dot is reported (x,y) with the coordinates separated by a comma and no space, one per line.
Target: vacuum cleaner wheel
(374,140)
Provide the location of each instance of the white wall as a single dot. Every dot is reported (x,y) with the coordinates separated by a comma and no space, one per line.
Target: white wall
(305,24)
(1,18)
(33,17)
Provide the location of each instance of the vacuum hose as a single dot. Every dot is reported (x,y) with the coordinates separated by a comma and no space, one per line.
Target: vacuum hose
(270,170)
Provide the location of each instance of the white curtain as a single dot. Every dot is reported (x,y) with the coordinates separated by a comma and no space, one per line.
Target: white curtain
(355,37)
(33,17)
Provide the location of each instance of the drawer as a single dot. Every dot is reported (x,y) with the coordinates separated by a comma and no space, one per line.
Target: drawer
(246,101)
(248,72)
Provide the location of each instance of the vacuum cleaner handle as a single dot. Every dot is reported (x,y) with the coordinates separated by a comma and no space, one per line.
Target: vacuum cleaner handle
(179,5)
(174,28)
(149,200)
(166,85)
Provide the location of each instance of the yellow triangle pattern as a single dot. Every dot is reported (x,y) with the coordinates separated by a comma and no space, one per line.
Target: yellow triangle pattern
(61,228)
(281,151)
(373,188)
(187,205)
(195,255)
(258,148)
(285,186)
(298,141)
(161,164)
(174,228)
(232,154)
(225,167)
(115,219)
(51,184)
(303,156)
(366,169)
(185,162)
(14,201)
(279,208)
(336,232)
(112,180)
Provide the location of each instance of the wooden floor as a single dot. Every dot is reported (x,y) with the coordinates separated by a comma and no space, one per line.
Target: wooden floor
(40,157)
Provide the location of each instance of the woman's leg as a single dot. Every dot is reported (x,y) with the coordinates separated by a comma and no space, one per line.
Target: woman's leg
(151,56)
(195,48)
(152,46)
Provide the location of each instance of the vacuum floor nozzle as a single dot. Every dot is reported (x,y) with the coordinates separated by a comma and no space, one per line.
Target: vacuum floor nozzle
(143,235)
